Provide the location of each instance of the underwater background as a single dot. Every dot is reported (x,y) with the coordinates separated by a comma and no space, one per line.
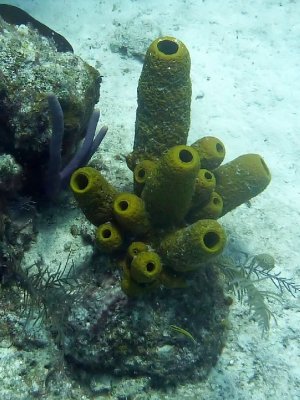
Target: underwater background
(245,60)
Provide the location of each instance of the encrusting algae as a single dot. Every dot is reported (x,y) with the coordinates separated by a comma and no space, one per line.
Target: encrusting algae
(168,226)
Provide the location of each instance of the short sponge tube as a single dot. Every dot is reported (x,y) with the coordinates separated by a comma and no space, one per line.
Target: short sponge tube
(187,248)
(211,151)
(129,211)
(204,186)
(134,249)
(212,209)
(145,267)
(94,194)
(141,173)
(108,238)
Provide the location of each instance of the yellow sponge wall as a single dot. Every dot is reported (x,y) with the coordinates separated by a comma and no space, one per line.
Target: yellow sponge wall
(169,190)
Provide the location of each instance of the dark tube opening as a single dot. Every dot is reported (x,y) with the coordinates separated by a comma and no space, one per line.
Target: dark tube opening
(208,175)
(81,181)
(167,47)
(185,156)
(141,173)
(150,266)
(211,239)
(106,233)
(216,200)
(123,205)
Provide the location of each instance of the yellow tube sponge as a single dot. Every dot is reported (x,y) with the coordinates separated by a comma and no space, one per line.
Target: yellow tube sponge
(94,194)
(134,249)
(164,100)
(130,213)
(108,238)
(141,173)
(241,179)
(211,151)
(145,267)
(213,209)
(169,189)
(204,186)
(187,248)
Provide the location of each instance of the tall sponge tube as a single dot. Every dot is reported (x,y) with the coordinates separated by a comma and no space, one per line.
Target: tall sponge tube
(164,100)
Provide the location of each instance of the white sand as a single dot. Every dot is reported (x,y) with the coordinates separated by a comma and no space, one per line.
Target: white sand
(246,67)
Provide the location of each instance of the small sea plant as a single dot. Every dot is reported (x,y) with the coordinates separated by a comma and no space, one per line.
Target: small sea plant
(47,294)
(243,278)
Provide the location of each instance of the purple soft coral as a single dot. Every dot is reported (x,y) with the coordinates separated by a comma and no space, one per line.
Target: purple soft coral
(57,177)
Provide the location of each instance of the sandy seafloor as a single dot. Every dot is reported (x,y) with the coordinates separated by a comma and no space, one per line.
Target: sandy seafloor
(246,91)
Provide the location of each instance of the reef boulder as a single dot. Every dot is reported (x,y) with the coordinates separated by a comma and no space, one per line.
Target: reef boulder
(30,68)
(170,336)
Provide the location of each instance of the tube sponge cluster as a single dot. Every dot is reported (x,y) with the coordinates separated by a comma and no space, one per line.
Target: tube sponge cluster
(168,226)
